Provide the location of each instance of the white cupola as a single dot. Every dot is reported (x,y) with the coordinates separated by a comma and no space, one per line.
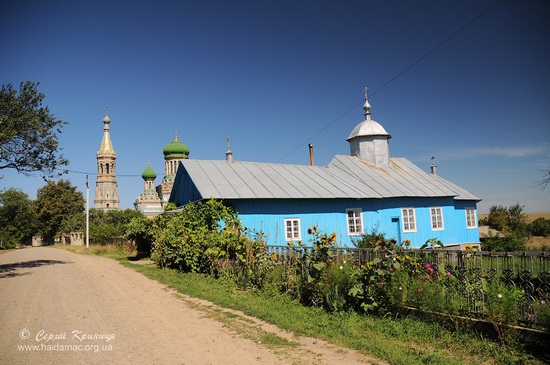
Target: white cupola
(369,140)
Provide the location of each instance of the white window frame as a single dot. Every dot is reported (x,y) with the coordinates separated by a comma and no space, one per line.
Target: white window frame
(295,233)
(471,213)
(436,216)
(408,219)
(354,223)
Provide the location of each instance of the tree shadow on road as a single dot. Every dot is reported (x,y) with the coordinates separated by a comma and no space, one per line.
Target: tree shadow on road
(10,270)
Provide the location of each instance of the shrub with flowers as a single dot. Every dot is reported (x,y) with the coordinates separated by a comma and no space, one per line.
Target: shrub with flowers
(370,293)
(503,303)
(434,289)
(314,265)
(542,310)
(339,280)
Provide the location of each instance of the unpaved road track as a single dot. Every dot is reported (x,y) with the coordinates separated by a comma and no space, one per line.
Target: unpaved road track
(57,307)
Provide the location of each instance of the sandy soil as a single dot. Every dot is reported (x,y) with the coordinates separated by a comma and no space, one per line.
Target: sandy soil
(57,307)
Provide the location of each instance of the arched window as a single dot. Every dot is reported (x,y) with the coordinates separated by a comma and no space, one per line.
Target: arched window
(107,168)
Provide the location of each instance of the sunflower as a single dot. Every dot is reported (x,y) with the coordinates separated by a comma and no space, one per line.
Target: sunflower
(468,247)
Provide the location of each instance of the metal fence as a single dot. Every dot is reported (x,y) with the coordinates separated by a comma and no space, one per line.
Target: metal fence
(527,271)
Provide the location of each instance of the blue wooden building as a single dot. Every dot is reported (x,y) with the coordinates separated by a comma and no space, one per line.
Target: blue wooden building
(352,195)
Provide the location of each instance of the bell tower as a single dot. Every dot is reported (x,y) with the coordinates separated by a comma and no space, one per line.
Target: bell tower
(106,189)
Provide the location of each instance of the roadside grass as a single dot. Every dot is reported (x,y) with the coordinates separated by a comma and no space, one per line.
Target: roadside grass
(393,340)
(111,251)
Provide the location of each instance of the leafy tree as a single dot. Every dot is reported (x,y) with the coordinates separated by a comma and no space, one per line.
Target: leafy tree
(170,206)
(17,217)
(104,225)
(516,219)
(539,227)
(497,218)
(55,203)
(28,132)
(507,219)
(76,222)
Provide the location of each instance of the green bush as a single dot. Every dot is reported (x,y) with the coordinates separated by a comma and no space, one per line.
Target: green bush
(503,303)
(339,279)
(370,240)
(142,231)
(373,278)
(542,310)
(539,227)
(509,243)
(314,266)
(207,237)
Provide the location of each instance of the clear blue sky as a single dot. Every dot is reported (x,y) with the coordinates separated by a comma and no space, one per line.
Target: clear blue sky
(274,74)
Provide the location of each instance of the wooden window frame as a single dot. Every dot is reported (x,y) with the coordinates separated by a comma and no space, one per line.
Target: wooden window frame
(355,228)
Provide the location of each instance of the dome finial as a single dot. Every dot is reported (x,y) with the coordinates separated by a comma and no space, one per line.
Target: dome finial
(367,105)
(176,138)
(106,120)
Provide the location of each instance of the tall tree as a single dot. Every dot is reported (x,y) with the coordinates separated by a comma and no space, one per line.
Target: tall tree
(17,217)
(29,132)
(498,217)
(55,203)
(517,220)
(509,218)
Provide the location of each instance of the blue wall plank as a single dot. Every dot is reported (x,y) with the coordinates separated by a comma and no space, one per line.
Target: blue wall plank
(383,214)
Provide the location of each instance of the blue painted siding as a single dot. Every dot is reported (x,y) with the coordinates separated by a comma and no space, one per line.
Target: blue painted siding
(330,216)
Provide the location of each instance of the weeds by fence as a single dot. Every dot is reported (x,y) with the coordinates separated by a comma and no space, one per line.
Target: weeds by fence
(486,285)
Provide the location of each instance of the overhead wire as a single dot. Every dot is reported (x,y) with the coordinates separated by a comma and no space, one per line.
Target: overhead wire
(95,173)
(395,77)
(359,103)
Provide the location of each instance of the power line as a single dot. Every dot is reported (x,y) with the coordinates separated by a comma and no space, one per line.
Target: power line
(95,173)
(436,47)
(320,131)
(396,76)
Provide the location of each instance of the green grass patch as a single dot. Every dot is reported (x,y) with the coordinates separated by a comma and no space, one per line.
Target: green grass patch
(394,340)
(116,252)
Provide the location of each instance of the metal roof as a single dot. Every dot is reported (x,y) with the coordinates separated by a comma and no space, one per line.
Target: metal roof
(368,128)
(345,177)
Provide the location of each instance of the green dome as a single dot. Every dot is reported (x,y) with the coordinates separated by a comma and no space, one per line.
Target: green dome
(176,148)
(148,173)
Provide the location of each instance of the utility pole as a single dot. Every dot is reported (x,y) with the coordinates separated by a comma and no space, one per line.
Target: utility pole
(87,213)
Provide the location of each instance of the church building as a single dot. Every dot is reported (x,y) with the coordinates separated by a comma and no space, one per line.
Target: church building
(149,202)
(355,194)
(153,200)
(106,188)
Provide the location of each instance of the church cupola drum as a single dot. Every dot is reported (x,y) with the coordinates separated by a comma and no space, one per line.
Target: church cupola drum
(106,189)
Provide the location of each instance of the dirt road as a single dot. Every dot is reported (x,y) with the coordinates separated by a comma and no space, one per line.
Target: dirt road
(57,307)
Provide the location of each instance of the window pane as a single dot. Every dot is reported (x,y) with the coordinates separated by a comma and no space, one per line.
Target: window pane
(355,221)
(292,229)
(408,219)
